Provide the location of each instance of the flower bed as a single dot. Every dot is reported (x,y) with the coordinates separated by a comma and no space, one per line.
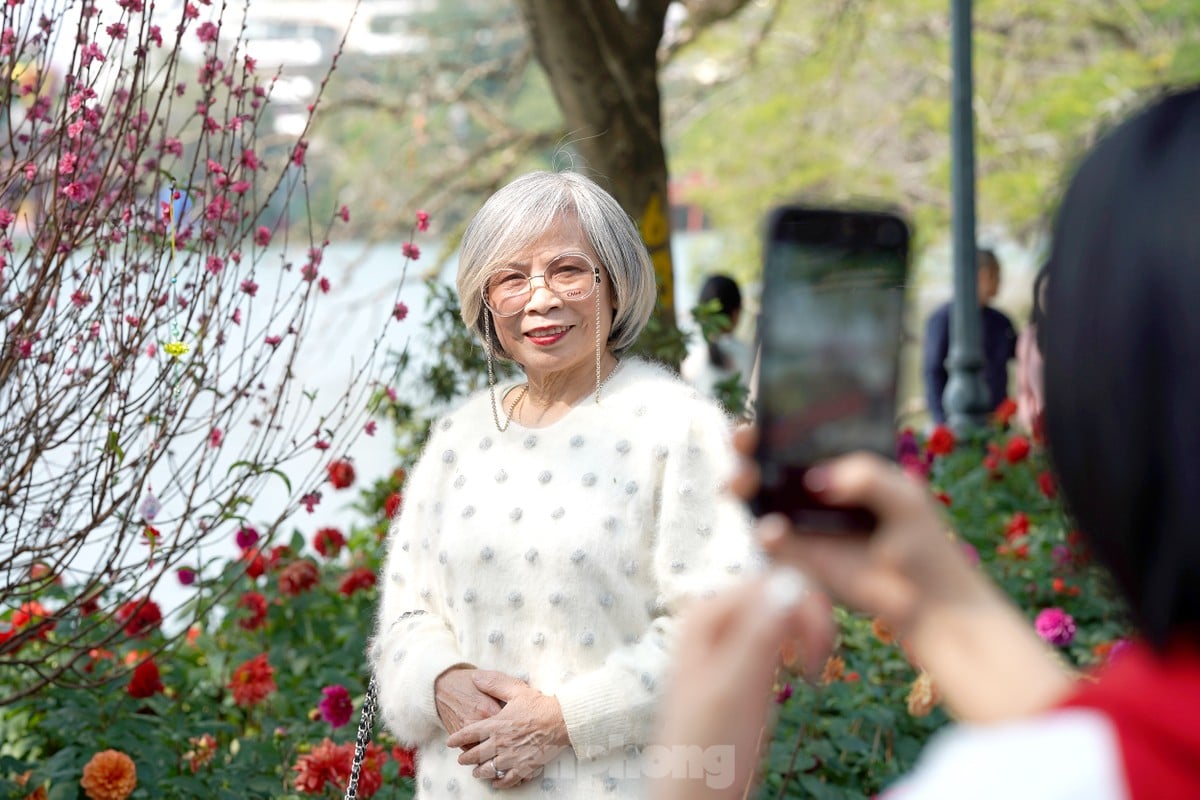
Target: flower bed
(867,721)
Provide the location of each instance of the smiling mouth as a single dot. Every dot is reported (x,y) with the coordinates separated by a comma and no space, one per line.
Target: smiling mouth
(543,333)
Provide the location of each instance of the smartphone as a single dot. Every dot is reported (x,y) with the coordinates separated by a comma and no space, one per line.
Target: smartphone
(829,337)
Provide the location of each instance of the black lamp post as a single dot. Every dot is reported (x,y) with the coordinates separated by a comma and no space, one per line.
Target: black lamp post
(966,395)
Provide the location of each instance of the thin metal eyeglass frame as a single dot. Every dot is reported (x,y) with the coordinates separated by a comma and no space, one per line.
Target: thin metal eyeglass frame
(483,291)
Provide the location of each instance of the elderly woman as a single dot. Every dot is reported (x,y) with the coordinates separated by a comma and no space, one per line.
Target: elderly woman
(552,528)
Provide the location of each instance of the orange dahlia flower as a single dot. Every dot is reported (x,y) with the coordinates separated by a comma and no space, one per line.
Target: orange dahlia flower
(110,775)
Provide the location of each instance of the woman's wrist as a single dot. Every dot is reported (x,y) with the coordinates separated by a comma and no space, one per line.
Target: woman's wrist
(985,658)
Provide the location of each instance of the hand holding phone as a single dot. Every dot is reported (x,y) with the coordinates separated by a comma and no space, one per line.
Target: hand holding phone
(829,342)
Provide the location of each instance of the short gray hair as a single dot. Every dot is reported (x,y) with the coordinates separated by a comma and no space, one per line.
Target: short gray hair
(521,212)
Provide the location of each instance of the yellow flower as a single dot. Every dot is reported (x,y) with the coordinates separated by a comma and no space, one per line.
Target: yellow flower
(923,695)
(110,775)
(176,348)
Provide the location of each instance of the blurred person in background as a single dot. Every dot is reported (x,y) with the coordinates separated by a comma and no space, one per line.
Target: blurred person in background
(718,358)
(999,340)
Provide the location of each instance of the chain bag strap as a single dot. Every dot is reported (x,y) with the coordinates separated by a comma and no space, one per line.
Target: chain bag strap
(366,723)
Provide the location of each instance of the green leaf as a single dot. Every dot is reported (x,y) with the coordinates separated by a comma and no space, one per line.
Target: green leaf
(257,469)
(114,446)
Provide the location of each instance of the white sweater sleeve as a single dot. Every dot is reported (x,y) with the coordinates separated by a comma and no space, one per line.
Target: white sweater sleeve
(702,541)
(414,643)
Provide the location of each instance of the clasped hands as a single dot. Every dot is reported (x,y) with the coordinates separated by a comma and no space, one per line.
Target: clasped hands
(502,725)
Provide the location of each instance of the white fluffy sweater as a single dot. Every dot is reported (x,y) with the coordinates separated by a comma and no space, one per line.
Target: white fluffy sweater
(558,555)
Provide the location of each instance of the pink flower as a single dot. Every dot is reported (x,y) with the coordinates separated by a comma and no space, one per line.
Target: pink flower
(249,287)
(262,236)
(6,218)
(207,32)
(246,537)
(116,30)
(410,250)
(422,220)
(323,284)
(369,428)
(155,35)
(310,501)
(236,316)
(273,340)
(298,153)
(90,52)
(186,576)
(400,312)
(249,160)
(215,437)
(215,264)
(76,191)
(344,213)
(66,164)
(336,706)
(1055,626)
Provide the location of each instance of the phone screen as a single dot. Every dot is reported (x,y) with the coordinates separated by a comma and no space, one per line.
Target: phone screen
(829,339)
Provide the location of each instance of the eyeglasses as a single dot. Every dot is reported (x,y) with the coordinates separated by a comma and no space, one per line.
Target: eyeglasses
(571,276)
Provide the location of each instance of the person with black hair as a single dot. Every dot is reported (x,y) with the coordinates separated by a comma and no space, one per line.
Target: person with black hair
(1121,343)
(719,356)
(998,339)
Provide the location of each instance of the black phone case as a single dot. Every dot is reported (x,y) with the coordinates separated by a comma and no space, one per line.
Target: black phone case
(782,489)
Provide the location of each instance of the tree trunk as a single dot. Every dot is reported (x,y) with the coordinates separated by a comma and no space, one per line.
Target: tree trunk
(602,64)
